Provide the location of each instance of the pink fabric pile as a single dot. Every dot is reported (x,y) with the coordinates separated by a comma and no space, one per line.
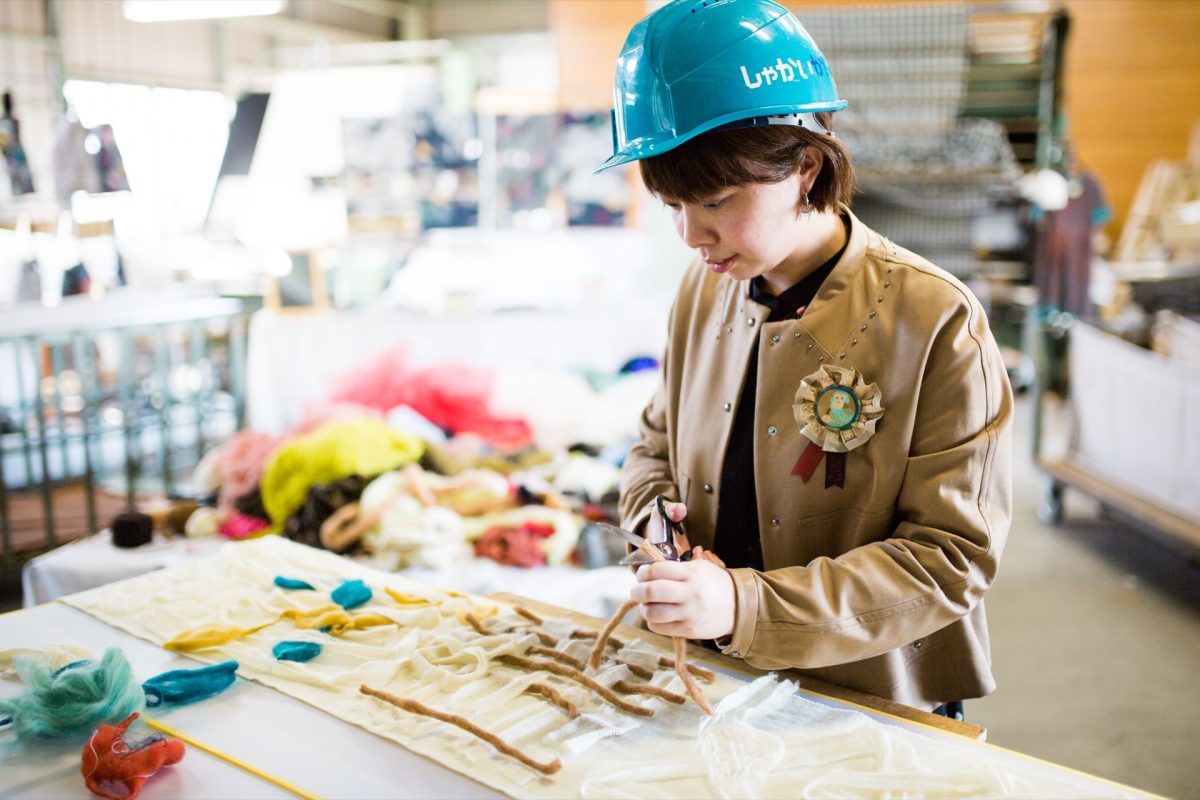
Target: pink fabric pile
(453,397)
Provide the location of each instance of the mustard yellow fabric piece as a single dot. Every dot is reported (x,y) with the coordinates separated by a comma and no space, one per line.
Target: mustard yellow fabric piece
(209,636)
(363,621)
(335,618)
(329,616)
(407,599)
(333,451)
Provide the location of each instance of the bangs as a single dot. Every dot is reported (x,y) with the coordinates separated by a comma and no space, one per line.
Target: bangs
(712,162)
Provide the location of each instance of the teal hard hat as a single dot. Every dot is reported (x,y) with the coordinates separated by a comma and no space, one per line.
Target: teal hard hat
(697,65)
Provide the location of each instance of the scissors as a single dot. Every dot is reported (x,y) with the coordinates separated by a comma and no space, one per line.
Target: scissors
(662,539)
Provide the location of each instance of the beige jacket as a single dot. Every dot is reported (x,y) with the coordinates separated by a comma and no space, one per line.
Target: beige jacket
(879,585)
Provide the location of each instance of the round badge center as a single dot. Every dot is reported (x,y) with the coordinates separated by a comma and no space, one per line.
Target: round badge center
(838,407)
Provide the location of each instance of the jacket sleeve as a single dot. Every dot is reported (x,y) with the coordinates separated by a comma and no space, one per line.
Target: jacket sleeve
(951,521)
(647,470)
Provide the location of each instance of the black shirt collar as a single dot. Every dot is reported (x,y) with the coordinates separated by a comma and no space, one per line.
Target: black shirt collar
(790,304)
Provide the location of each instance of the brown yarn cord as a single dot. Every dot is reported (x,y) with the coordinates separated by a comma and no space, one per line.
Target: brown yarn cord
(474,622)
(495,741)
(706,675)
(546,639)
(529,615)
(681,668)
(558,655)
(639,671)
(601,640)
(567,672)
(653,691)
(681,664)
(550,694)
(612,642)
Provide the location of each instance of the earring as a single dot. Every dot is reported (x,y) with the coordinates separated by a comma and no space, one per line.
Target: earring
(808,207)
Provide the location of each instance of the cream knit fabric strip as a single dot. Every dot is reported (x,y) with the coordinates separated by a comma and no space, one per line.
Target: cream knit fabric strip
(766,739)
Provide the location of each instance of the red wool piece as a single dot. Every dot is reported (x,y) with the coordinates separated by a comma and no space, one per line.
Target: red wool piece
(109,762)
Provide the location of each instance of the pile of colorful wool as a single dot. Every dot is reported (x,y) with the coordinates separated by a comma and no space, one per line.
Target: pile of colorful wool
(242,526)
(517,547)
(240,464)
(452,396)
(334,451)
(72,699)
(304,525)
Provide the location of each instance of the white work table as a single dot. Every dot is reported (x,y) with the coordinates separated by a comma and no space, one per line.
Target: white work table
(328,757)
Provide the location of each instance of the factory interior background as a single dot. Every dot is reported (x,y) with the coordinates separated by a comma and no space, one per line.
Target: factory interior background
(221,234)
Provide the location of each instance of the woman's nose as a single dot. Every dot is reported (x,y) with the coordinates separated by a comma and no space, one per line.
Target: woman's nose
(693,231)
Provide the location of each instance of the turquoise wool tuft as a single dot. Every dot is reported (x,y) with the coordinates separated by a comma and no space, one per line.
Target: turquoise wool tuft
(292,583)
(180,686)
(296,651)
(351,594)
(75,699)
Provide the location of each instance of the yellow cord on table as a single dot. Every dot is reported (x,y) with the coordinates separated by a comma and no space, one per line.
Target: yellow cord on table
(212,751)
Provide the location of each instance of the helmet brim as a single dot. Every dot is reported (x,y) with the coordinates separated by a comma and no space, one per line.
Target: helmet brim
(637,154)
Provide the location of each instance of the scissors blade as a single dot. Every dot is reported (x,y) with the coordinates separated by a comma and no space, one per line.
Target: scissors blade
(631,538)
(638,556)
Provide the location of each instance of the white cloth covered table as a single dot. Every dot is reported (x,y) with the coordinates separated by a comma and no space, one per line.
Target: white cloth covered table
(767,740)
(94,561)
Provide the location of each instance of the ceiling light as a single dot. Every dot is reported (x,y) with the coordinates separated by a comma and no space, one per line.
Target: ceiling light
(174,10)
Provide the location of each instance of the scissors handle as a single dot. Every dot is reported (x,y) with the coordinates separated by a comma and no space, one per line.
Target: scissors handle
(670,528)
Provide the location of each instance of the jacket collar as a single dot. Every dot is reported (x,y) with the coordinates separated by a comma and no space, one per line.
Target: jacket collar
(844,296)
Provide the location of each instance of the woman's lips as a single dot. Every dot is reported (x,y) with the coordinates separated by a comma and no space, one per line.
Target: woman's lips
(721,267)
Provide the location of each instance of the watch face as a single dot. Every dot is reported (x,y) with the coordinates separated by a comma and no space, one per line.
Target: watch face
(838,407)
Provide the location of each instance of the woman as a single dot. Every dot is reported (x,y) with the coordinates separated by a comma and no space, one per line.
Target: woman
(834,420)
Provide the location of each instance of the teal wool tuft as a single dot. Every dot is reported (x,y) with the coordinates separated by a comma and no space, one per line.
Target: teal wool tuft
(296,651)
(351,594)
(284,582)
(180,686)
(75,699)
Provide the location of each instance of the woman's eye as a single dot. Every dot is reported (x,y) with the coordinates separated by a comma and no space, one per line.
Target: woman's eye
(712,205)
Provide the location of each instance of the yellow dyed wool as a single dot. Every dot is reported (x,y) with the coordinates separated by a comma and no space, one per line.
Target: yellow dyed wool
(335,450)
(367,620)
(335,618)
(407,599)
(330,616)
(209,636)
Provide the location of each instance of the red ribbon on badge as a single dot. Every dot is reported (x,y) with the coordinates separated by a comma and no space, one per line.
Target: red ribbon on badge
(808,461)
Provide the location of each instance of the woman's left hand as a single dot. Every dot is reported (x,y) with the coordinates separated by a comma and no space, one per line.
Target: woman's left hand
(694,599)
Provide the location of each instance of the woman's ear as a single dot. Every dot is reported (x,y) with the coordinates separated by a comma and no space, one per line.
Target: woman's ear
(810,167)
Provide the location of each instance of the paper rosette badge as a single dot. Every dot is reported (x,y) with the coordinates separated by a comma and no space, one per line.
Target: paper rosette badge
(837,411)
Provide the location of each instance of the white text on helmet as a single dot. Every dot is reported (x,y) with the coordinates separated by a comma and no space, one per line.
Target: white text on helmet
(785,71)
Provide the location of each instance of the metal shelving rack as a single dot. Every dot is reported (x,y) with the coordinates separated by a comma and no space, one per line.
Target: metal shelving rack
(121,396)
(949,103)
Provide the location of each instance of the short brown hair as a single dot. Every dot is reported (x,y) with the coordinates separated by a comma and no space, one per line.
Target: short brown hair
(712,162)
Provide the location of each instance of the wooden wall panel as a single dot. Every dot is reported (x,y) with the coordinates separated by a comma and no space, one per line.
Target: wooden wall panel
(588,35)
(1132,86)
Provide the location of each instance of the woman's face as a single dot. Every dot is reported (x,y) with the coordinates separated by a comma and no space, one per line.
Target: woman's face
(747,231)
